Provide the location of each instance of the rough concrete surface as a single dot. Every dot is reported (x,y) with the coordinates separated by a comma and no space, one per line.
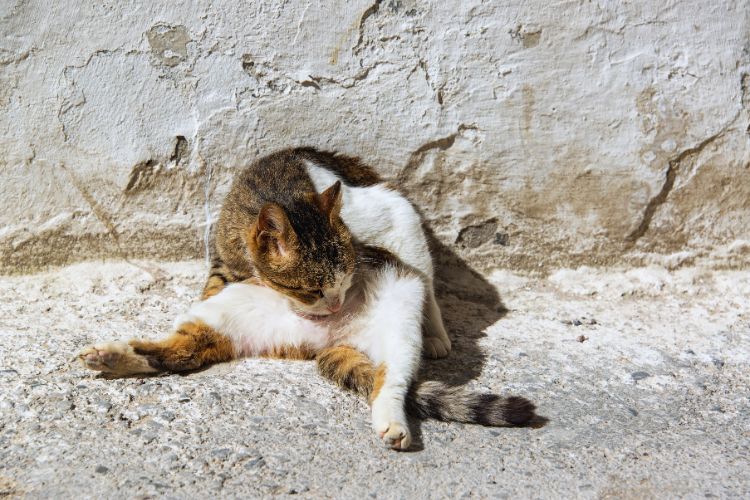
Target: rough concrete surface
(581,132)
(641,373)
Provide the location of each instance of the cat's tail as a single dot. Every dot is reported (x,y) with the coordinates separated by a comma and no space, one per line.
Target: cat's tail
(428,399)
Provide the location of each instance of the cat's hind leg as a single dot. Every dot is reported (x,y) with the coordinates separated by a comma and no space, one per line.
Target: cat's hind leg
(117,359)
(192,346)
(391,337)
(241,320)
(436,342)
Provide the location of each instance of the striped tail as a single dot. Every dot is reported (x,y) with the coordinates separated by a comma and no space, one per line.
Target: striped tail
(457,404)
(352,370)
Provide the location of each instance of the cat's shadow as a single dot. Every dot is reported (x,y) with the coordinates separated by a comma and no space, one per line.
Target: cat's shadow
(469,304)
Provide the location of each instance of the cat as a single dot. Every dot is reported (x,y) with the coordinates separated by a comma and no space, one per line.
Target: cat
(292,279)
(374,213)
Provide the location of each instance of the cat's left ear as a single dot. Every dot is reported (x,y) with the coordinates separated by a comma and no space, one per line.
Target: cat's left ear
(330,201)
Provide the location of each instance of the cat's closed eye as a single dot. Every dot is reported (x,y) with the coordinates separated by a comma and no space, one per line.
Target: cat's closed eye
(313,292)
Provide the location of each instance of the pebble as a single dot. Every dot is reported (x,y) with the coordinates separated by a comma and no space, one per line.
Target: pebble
(583,320)
(167,416)
(103,406)
(255,463)
(221,453)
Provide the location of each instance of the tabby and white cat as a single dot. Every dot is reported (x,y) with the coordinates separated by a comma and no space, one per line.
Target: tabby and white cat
(316,258)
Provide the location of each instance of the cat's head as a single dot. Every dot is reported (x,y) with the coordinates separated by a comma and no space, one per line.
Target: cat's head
(305,252)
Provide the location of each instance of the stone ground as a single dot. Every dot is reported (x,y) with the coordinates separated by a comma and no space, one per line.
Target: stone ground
(642,375)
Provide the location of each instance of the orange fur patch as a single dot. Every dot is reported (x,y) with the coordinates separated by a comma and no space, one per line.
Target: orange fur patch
(192,346)
(348,368)
(378,382)
(213,286)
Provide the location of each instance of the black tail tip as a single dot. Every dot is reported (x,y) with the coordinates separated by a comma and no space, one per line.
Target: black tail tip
(519,411)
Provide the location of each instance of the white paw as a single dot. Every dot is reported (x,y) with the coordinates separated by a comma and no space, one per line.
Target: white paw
(116,358)
(395,435)
(389,422)
(436,347)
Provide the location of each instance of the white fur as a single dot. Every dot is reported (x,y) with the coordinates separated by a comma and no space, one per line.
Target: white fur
(257,319)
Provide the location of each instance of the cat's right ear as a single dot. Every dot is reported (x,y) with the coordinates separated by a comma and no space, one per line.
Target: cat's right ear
(272,232)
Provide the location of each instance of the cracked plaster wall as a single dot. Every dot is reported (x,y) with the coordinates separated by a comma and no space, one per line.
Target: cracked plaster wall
(531,134)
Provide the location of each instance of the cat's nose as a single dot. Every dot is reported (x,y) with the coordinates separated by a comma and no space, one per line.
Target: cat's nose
(334,306)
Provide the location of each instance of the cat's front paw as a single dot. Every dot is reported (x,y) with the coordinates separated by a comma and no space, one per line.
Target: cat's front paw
(114,358)
(396,436)
(389,422)
(436,347)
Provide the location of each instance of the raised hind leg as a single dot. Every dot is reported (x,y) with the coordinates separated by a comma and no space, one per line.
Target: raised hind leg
(391,337)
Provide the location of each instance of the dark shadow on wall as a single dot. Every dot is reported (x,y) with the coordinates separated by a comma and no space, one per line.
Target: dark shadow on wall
(469,304)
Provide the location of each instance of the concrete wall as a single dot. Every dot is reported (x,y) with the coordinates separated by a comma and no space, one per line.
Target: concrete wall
(531,134)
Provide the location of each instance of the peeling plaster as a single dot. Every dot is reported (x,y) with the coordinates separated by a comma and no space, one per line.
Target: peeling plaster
(168,43)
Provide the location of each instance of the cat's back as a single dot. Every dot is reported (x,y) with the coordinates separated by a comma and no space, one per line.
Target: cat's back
(283,177)
(280,177)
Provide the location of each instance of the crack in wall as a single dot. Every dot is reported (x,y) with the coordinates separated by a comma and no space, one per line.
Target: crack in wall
(180,149)
(7,57)
(75,98)
(669,180)
(422,65)
(346,83)
(139,175)
(144,174)
(372,9)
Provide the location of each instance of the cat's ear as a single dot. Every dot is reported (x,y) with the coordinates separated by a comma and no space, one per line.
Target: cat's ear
(272,231)
(330,201)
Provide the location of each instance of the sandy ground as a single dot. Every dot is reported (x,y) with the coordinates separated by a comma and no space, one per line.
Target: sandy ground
(643,375)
